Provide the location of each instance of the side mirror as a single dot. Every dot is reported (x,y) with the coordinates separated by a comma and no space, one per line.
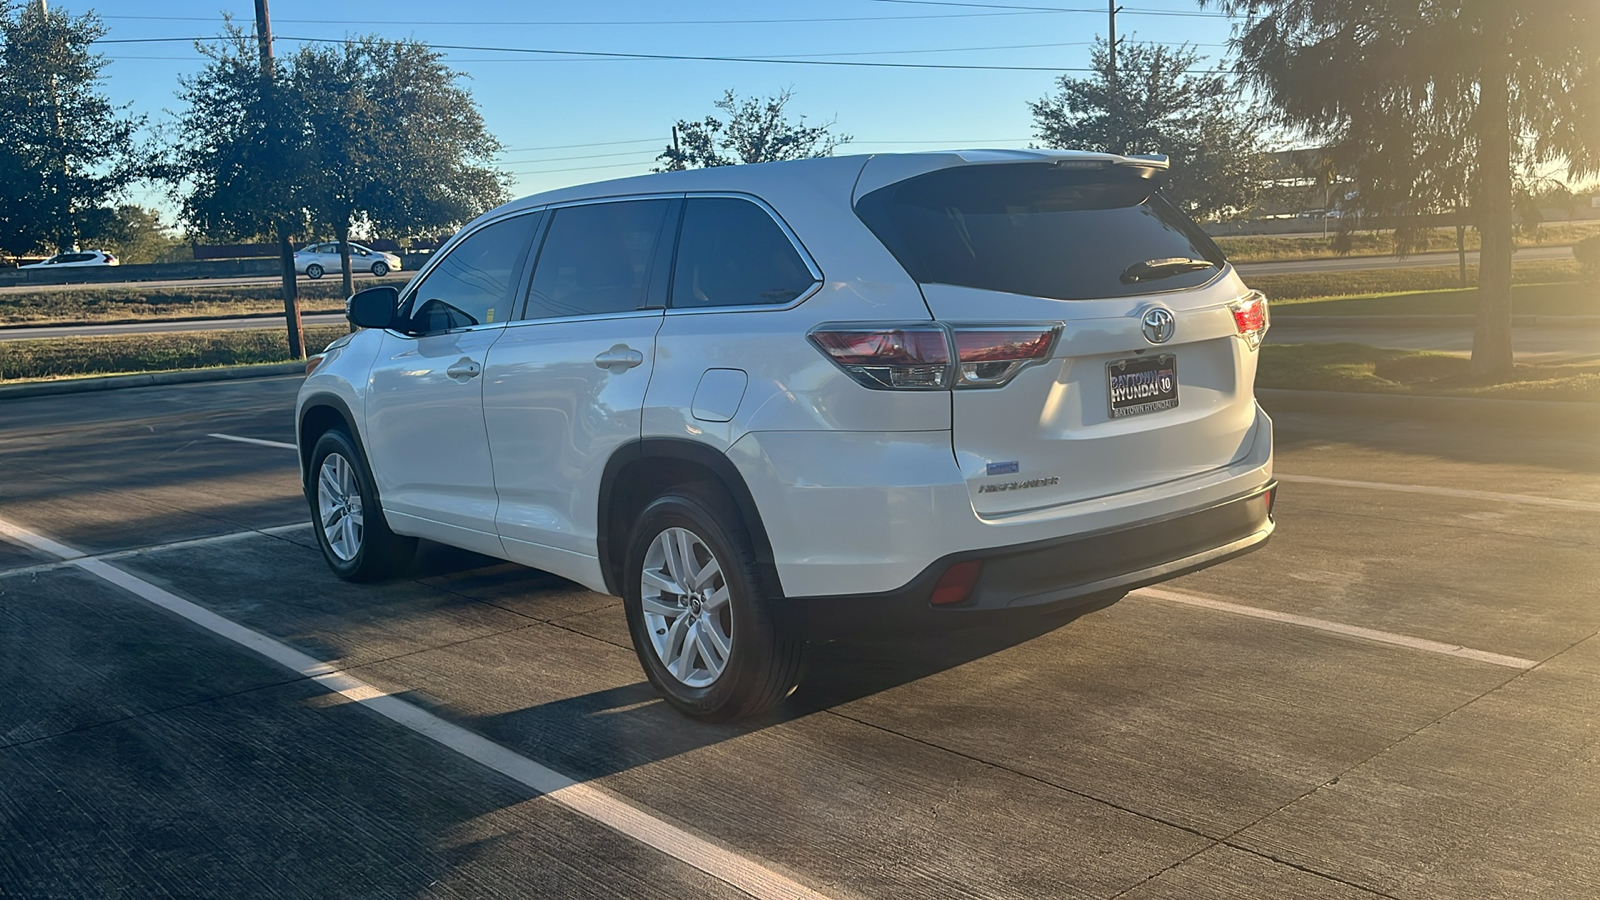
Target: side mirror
(373,307)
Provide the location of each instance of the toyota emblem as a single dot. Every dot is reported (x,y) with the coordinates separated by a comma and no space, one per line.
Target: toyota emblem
(1158,325)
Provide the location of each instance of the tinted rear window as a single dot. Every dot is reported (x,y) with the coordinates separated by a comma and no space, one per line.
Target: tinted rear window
(1037,229)
(731,253)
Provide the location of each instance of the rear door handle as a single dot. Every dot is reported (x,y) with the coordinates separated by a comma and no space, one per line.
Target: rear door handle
(619,358)
(464,369)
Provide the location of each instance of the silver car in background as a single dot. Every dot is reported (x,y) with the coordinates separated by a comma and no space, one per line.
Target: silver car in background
(315,259)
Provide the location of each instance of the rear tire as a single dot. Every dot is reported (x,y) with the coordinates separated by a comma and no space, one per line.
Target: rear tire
(313,271)
(698,611)
(349,524)
(380,268)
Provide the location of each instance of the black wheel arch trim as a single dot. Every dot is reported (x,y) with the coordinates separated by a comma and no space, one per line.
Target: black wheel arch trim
(329,400)
(699,454)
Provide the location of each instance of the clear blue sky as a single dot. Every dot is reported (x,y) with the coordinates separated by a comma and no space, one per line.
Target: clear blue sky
(569,120)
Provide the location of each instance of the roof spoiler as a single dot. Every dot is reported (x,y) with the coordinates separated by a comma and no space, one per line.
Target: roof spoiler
(1135,160)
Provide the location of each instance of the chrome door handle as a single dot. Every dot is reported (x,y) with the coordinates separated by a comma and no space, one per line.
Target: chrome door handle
(465,368)
(619,358)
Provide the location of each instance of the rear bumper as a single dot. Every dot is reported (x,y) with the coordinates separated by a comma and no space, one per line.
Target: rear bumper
(1059,573)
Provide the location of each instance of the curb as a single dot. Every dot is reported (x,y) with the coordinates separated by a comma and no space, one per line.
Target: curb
(1288,321)
(148,379)
(1579,418)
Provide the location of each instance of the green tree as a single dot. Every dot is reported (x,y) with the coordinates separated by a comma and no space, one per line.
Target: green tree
(136,234)
(243,156)
(756,131)
(65,150)
(1156,102)
(1419,98)
(399,144)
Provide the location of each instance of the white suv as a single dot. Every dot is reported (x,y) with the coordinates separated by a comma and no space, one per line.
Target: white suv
(756,401)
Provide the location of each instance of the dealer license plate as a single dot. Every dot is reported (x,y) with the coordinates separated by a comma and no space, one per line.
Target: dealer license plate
(1143,384)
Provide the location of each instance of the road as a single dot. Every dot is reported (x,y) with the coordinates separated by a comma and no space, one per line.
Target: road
(1416,261)
(188,282)
(1397,697)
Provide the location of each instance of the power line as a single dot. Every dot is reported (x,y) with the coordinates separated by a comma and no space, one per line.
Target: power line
(791,61)
(586,156)
(573,146)
(968,142)
(1057,9)
(651,23)
(580,168)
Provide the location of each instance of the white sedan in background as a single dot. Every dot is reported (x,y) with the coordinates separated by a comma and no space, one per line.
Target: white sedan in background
(76,258)
(315,259)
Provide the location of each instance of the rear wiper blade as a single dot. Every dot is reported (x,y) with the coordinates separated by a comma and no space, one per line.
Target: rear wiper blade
(1161,268)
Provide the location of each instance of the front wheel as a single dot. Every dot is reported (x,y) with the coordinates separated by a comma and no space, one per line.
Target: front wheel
(350,527)
(313,271)
(380,268)
(698,616)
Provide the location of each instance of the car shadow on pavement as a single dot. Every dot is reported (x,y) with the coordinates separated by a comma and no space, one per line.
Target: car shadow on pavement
(606,732)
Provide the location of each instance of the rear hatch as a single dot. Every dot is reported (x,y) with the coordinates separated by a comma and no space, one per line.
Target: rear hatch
(1150,377)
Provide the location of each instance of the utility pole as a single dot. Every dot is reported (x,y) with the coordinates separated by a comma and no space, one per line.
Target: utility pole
(677,155)
(264,38)
(291,290)
(1111,80)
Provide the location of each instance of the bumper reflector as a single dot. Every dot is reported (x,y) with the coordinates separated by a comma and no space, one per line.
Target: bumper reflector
(957,582)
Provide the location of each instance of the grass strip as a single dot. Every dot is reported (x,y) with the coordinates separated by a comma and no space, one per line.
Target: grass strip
(1303,286)
(89,305)
(1364,369)
(49,358)
(1285,248)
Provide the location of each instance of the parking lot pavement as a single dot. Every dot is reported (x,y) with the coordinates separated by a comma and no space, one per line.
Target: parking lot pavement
(1175,744)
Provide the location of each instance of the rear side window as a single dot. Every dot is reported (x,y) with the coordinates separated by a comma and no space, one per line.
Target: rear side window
(1040,230)
(731,253)
(597,259)
(472,284)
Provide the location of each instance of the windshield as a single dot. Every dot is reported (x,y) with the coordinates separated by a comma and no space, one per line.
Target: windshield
(1038,229)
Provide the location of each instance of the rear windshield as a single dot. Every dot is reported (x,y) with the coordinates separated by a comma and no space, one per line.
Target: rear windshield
(1040,230)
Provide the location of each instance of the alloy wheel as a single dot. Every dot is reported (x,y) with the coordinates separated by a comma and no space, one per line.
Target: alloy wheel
(686,609)
(339,506)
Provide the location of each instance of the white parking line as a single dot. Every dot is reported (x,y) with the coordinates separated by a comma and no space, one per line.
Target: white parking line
(587,800)
(257,441)
(1370,634)
(153,548)
(1496,496)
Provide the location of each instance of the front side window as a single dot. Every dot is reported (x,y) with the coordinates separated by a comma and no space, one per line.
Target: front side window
(472,285)
(597,259)
(1041,230)
(731,253)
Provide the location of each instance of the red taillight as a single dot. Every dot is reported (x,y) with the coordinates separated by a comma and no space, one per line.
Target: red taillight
(1250,316)
(907,357)
(991,357)
(957,582)
(920,356)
